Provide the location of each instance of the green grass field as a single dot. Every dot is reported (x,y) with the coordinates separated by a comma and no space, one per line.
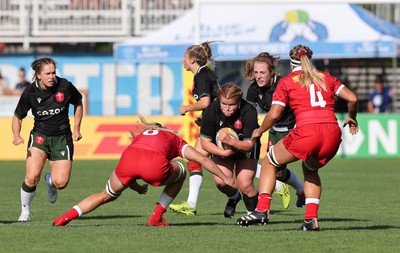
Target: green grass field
(359,212)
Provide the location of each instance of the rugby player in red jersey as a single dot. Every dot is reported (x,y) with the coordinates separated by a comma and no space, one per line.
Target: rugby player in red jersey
(315,140)
(148,157)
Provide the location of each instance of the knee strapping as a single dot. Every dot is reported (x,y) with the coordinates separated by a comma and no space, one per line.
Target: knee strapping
(271,157)
(110,191)
(182,172)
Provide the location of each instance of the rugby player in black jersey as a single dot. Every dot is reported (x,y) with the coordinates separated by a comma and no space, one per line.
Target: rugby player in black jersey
(230,110)
(262,71)
(48,97)
(197,60)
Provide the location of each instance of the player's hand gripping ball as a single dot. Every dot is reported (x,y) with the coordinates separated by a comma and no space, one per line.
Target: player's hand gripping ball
(231,134)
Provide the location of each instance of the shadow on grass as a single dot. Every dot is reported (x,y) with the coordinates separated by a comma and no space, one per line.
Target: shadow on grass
(348,227)
(5,222)
(107,217)
(240,214)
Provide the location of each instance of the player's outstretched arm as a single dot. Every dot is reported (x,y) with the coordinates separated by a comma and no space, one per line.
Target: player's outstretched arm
(208,164)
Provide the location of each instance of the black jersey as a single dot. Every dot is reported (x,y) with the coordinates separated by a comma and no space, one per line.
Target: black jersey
(205,83)
(262,96)
(49,107)
(243,122)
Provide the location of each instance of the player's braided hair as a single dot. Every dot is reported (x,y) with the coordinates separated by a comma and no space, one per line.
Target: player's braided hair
(309,74)
(202,53)
(270,60)
(230,90)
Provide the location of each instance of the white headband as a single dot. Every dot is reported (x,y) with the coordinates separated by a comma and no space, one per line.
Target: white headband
(295,62)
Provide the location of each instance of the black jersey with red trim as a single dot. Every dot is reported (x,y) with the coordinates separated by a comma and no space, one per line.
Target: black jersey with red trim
(49,107)
(262,96)
(243,122)
(205,83)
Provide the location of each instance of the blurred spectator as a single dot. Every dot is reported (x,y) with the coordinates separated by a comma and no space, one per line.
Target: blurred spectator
(166,4)
(114,4)
(380,99)
(84,5)
(341,104)
(22,82)
(4,89)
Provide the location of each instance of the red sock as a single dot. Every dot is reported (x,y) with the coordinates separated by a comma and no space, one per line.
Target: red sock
(264,202)
(158,211)
(71,214)
(311,211)
(194,166)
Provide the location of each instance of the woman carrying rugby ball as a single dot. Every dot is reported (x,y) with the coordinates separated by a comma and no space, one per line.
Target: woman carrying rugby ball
(230,110)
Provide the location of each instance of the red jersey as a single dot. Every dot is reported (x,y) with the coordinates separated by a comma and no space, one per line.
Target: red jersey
(149,157)
(168,144)
(310,106)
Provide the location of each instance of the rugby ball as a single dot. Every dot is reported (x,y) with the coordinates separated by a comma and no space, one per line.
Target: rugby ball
(231,133)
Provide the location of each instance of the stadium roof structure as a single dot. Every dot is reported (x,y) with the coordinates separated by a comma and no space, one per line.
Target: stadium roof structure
(332,30)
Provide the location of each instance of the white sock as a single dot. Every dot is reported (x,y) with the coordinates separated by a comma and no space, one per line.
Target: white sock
(278,185)
(258,171)
(78,210)
(165,200)
(26,200)
(295,182)
(194,189)
(312,200)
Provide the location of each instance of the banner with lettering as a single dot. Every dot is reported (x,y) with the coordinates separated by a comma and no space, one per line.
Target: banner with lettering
(107,137)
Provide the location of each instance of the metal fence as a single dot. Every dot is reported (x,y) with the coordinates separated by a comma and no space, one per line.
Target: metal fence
(27,21)
(63,21)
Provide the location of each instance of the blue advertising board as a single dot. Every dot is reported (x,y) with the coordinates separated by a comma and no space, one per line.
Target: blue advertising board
(111,89)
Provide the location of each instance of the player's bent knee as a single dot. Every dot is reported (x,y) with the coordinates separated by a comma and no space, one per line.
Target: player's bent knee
(60,185)
(111,192)
(307,165)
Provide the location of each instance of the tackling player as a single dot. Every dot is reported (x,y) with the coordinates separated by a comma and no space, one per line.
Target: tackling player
(148,157)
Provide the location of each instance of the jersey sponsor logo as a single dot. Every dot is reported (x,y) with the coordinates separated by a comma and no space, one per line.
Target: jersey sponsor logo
(39,140)
(59,96)
(238,124)
(51,111)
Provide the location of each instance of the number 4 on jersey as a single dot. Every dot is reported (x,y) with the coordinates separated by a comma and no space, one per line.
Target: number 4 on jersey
(316,95)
